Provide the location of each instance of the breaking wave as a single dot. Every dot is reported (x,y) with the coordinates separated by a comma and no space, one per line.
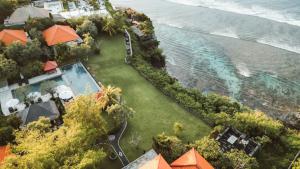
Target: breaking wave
(254,10)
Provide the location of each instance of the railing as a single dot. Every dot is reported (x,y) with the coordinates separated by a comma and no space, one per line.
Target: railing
(128,46)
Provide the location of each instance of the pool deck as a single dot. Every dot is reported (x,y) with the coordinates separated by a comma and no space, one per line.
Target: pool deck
(45,77)
(6,91)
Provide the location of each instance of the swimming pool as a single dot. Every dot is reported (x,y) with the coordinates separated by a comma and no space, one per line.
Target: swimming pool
(74,76)
(79,79)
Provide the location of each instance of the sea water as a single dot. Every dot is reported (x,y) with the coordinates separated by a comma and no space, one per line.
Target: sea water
(246,49)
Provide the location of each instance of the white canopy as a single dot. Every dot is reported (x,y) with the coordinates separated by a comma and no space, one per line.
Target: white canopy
(21,107)
(62,88)
(12,103)
(34,94)
(66,95)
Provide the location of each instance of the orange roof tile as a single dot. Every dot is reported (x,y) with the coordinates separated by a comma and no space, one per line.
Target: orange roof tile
(59,34)
(157,163)
(50,65)
(4,152)
(191,160)
(8,36)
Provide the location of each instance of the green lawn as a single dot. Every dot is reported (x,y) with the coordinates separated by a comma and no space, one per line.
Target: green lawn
(155,112)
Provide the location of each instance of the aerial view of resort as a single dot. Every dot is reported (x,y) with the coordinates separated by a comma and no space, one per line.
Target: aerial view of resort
(149,84)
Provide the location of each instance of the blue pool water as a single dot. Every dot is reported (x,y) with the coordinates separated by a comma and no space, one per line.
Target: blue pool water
(74,76)
(77,77)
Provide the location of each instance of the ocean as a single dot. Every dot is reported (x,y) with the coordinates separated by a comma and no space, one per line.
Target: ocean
(246,49)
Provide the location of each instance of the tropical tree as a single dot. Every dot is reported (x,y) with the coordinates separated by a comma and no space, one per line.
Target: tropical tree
(8,67)
(87,27)
(296,164)
(169,146)
(209,148)
(178,128)
(109,26)
(239,160)
(6,8)
(258,124)
(7,126)
(15,52)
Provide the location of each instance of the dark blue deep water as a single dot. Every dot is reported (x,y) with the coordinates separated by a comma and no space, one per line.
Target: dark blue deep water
(246,49)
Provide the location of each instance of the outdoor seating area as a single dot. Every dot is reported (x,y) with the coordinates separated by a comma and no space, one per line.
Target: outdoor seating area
(233,139)
(65,88)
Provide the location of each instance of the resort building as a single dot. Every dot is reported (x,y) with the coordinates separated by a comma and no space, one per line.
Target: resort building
(150,160)
(61,34)
(35,111)
(22,14)
(8,36)
(233,139)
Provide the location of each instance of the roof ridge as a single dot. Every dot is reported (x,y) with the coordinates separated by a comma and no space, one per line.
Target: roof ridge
(54,32)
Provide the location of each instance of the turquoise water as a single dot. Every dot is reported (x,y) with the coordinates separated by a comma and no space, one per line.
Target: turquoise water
(79,79)
(74,76)
(246,49)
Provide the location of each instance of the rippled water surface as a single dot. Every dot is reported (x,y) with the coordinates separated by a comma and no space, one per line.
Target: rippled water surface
(247,49)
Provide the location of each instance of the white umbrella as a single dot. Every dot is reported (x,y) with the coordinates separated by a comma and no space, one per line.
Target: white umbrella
(66,95)
(62,88)
(34,94)
(21,107)
(46,97)
(12,103)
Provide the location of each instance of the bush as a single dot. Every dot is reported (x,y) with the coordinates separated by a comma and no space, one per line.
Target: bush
(38,23)
(8,68)
(258,124)
(87,27)
(6,135)
(32,69)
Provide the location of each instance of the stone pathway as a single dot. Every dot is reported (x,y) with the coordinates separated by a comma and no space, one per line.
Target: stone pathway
(114,141)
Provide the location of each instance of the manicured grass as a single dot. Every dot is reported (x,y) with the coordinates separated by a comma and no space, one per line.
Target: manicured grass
(155,112)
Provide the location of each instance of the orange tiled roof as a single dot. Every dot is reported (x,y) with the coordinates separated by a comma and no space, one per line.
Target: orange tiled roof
(59,34)
(8,36)
(4,152)
(191,160)
(50,65)
(157,163)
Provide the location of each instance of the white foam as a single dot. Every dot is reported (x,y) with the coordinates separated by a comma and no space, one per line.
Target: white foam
(281,45)
(253,10)
(228,32)
(243,70)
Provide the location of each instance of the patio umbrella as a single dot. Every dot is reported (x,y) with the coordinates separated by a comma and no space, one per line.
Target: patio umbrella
(62,88)
(34,95)
(66,95)
(21,107)
(12,103)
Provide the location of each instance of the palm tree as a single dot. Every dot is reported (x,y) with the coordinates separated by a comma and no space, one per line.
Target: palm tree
(109,25)
(109,95)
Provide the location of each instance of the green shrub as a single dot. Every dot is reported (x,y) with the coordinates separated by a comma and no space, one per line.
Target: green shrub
(32,69)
